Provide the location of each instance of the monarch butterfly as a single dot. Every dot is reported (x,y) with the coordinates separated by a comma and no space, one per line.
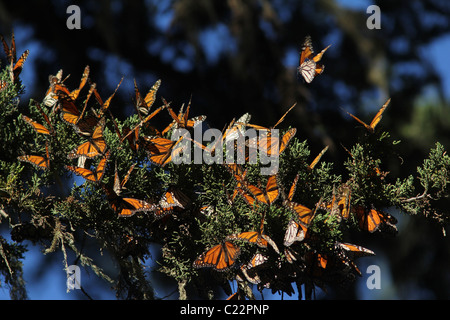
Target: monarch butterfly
(16,66)
(51,96)
(38,161)
(93,176)
(144,104)
(275,125)
(304,214)
(96,145)
(39,128)
(344,203)
(239,175)
(84,124)
(120,185)
(249,271)
(145,120)
(173,199)
(267,196)
(10,52)
(371,219)
(132,138)
(309,67)
(62,91)
(294,232)
(220,257)
(182,119)
(258,237)
(104,105)
(349,252)
(160,150)
(371,127)
(236,127)
(268,143)
(290,255)
(317,159)
(354,251)
(124,207)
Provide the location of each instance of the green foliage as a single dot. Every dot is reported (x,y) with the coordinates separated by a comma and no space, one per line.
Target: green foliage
(48,209)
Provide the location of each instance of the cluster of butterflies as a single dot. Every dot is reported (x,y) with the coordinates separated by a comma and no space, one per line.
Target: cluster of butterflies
(267,273)
(88,121)
(268,270)
(15,65)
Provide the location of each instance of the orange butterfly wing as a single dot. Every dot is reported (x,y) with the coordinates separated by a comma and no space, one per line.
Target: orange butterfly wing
(126,207)
(173,199)
(270,194)
(379,115)
(368,219)
(39,128)
(307,50)
(221,257)
(375,120)
(95,145)
(39,162)
(317,159)
(160,150)
(69,111)
(93,176)
(17,69)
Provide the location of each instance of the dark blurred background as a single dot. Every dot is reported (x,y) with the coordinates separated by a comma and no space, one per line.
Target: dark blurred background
(237,56)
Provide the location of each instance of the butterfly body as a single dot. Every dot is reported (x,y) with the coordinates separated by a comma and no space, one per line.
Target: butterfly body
(309,66)
(220,257)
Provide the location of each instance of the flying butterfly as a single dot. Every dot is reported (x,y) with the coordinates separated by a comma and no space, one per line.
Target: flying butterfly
(16,66)
(371,127)
(144,104)
(220,257)
(309,66)
(89,175)
(40,162)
